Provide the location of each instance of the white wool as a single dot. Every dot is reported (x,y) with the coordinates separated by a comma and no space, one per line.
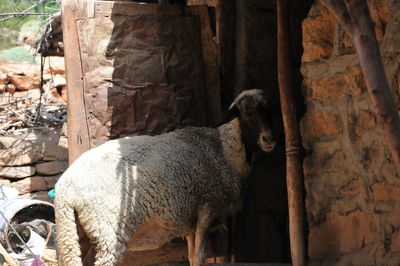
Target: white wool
(142,191)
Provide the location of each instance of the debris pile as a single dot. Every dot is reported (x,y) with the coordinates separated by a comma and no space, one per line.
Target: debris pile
(33,154)
(27,103)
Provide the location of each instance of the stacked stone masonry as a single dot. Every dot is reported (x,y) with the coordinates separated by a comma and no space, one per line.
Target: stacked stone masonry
(352,189)
(32,161)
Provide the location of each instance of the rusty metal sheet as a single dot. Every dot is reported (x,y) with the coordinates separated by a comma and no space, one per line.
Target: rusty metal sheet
(143,74)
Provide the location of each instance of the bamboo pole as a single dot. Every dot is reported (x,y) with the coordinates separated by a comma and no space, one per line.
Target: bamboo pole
(294,170)
(356,20)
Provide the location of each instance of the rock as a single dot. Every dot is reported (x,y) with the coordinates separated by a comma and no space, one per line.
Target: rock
(24,83)
(54,149)
(51,168)
(3,79)
(58,153)
(35,183)
(10,88)
(318,33)
(34,94)
(59,81)
(352,189)
(385,192)
(317,124)
(16,151)
(30,148)
(60,94)
(380,11)
(63,142)
(5,182)
(64,132)
(56,65)
(350,83)
(365,120)
(19,68)
(64,94)
(395,243)
(323,162)
(41,195)
(47,77)
(17,172)
(342,234)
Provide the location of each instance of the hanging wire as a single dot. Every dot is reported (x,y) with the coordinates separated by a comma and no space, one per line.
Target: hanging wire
(42,63)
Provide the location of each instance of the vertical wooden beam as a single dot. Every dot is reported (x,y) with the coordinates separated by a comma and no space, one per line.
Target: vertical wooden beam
(211,69)
(225,35)
(78,131)
(294,170)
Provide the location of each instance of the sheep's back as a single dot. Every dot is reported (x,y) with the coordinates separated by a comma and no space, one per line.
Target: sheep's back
(167,176)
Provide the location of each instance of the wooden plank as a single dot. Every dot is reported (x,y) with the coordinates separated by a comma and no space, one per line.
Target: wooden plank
(211,68)
(225,14)
(212,3)
(90,9)
(78,132)
(127,8)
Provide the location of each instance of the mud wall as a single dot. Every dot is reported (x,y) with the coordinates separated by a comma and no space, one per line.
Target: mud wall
(353,192)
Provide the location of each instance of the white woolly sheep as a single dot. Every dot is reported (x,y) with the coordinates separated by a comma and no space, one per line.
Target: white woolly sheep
(143,191)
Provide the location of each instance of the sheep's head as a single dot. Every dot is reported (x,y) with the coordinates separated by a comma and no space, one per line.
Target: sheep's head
(254,116)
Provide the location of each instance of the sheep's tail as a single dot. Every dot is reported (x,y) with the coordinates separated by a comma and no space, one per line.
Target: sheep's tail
(68,247)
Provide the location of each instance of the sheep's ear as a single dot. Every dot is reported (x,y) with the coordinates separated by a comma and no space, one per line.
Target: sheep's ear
(233,112)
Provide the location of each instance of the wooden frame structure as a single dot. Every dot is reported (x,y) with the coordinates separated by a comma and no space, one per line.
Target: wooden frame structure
(78,128)
(72,10)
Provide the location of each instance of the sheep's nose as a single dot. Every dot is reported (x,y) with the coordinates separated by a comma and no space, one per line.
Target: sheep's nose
(267,139)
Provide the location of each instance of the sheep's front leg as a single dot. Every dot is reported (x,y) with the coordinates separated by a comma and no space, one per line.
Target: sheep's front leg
(203,222)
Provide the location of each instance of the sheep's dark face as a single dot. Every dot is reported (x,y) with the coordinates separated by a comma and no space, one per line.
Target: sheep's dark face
(255,120)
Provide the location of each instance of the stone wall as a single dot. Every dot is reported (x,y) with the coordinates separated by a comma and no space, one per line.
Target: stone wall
(352,190)
(32,161)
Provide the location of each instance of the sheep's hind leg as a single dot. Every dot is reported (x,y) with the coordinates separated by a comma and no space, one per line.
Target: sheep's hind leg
(190,243)
(110,240)
(203,222)
(109,251)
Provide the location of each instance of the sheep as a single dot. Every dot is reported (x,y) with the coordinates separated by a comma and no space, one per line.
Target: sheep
(143,191)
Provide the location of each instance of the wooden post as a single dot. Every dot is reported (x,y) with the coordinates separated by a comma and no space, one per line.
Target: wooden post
(78,130)
(356,21)
(294,170)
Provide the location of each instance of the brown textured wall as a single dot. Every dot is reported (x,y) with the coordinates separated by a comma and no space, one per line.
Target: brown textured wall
(353,192)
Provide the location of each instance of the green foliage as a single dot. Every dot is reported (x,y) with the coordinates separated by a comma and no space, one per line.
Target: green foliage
(18,54)
(8,38)
(11,25)
(31,26)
